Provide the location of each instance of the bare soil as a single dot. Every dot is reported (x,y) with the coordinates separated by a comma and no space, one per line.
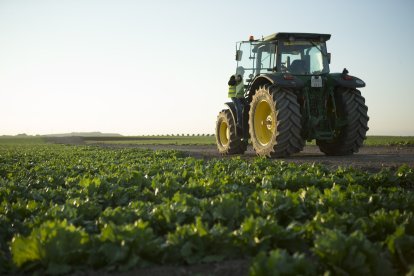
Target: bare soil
(371,158)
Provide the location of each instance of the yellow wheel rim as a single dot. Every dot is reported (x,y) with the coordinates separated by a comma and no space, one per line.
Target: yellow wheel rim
(224,133)
(264,123)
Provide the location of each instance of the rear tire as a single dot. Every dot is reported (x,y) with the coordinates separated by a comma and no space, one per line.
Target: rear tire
(275,122)
(351,106)
(226,137)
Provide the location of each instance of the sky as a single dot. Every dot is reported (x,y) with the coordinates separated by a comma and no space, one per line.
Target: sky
(161,67)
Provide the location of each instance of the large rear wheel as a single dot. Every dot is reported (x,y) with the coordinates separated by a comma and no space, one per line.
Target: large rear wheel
(349,138)
(275,122)
(228,142)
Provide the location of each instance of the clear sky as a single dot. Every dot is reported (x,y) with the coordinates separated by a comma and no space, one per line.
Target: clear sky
(161,67)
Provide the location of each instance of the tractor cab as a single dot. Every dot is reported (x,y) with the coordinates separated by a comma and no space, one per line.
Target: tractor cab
(293,53)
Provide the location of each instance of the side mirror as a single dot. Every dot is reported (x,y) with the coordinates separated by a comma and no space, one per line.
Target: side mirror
(329,58)
(239,54)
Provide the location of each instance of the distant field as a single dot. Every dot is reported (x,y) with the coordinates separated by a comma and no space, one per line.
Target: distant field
(210,140)
(390,141)
(153,140)
(385,141)
(184,140)
(22,140)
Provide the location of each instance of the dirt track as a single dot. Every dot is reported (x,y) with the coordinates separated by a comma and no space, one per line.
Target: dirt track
(369,158)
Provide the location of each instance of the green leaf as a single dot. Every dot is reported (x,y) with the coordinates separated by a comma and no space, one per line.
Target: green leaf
(26,250)
(352,254)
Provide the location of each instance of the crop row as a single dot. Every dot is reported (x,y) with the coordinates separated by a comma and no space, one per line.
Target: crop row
(65,208)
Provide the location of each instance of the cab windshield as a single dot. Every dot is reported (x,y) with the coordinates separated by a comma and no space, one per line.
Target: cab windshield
(299,57)
(303,57)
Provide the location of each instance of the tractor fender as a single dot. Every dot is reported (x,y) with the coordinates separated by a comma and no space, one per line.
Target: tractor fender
(350,82)
(232,108)
(233,112)
(244,132)
(278,79)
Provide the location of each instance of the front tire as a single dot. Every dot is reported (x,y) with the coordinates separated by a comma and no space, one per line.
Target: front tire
(349,138)
(226,137)
(275,122)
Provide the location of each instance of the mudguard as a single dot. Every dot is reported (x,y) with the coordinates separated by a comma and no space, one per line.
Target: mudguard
(244,132)
(281,81)
(277,79)
(350,82)
(233,111)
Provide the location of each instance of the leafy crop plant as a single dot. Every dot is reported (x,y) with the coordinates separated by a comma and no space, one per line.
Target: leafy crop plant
(66,209)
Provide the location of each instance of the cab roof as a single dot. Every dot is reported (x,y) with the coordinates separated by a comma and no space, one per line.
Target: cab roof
(311,36)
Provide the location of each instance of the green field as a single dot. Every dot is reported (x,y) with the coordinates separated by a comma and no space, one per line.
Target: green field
(210,140)
(66,209)
(189,140)
(389,141)
(22,140)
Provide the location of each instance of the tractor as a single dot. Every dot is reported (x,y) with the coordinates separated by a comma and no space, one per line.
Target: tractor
(290,97)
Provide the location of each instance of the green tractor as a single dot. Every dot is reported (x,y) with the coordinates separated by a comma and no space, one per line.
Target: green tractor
(291,97)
